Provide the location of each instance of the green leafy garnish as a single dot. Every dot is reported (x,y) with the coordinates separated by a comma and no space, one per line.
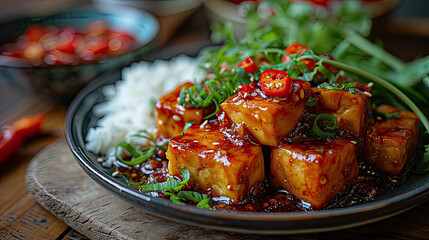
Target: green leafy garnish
(311,102)
(324,125)
(192,196)
(390,115)
(340,86)
(204,204)
(171,185)
(173,197)
(202,200)
(139,156)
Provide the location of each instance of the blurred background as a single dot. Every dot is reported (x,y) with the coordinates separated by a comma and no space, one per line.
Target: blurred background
(393,19)
(184,27)
(400,26)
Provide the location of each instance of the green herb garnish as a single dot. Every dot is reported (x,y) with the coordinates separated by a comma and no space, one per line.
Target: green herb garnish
(171,185)
(341,86)
(172,188)
(391,115)
(327,122)
(311,102)
(139,156)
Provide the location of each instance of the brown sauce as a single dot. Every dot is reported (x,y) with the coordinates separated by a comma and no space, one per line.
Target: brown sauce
(264,197)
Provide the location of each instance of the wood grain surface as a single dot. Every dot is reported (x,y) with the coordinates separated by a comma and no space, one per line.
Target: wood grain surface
(20,216)
(58,184)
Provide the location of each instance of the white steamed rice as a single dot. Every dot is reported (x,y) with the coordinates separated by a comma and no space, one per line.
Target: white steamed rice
(128,106)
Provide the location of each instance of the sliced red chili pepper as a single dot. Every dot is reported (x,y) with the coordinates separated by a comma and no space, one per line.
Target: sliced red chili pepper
(98,45)
(35,32)
(331,68)
(298,48)
(247,88)
(56,57)
(320,2)
(276,83)
(294,48)
(248,65)
(34,52)
(323,3)
(65,40)
(13,136)
(50,45)
(98,28)
(120,43)
(262,61)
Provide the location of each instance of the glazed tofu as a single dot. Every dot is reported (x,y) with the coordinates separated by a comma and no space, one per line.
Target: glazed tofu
(171,117)
(268,119)
(390,142)
(314,171)
(217,164)
(349,109)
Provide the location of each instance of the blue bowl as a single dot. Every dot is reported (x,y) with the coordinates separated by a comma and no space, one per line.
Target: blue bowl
(65,81)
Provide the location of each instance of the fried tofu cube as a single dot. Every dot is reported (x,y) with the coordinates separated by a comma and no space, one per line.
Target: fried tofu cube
(268,119)
(390,142)
(349,109)
(217,164)
(171,117)
(314,171)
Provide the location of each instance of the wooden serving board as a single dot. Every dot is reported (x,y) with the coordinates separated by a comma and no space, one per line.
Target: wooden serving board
(56,181)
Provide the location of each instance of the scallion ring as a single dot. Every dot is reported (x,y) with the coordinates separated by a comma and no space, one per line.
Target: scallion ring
(328,121)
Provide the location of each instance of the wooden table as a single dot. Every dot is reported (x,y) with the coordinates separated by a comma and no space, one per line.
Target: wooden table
(22,218)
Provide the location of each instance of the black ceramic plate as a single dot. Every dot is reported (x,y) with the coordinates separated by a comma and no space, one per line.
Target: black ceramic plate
(80,118)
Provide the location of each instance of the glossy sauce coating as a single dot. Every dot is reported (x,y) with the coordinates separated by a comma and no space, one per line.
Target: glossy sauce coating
(268,119)
(333,176)
(222,164)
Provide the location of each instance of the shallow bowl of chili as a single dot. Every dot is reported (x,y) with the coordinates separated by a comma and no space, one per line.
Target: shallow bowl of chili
(63,79)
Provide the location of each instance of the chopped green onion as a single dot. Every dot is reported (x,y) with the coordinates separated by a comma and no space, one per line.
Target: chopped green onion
(138,160)
(384,84)
(173,197)
(192,196)
(187,126)
(138,155)
(329,87)
(392,115)
(349,86)
(311,102)
(327,121)
(204,203)
(130,148)
(171,185)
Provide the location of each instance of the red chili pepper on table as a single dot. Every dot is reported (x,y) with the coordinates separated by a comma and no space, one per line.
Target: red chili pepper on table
(13,136)
(276,83)
(248,65)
